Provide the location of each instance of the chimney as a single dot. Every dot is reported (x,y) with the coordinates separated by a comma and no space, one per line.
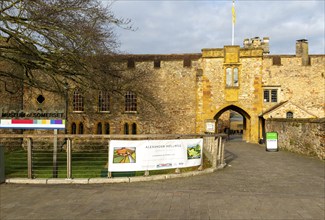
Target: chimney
(302,51)
(266,45)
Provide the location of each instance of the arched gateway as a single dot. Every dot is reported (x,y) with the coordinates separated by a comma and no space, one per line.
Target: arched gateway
(243,113)
(230,79)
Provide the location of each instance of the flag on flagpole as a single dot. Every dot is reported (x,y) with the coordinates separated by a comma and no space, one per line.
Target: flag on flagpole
(233,12)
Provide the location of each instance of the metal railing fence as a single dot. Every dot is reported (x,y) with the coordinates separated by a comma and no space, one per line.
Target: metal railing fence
(81,156)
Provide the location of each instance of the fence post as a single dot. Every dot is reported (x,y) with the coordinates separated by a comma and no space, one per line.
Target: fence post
(109,174)
(2,165)
(69,152)
(219,151)
(29,158)
(55,154)
(214,152)
(223,163)
(202,154)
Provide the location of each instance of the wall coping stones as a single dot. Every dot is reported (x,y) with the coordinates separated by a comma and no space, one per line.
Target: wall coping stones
(108,180)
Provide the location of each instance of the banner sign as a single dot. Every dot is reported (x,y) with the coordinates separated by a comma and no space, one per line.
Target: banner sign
(143,155)
(271,141)
(32,123)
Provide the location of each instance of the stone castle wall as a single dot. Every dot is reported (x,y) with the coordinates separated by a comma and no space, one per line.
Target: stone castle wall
(302,85)
(170,105)
(303,136)
(179,99)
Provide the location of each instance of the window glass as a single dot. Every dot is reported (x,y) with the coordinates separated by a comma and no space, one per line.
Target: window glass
(228,77)
(130,101)
(99,128)
(81,128)
(74,128)
(134,128)
(236,77)
(126,128)
(270,95)
(103,101)
(78,101)
(274,95)
(266,95)
(107,128)
(289,114)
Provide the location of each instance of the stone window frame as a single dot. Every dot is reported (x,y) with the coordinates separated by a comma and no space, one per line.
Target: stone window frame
(130,105)
(232,76)
(99,128)
(81,129)
(78,101)
(73,128)
(107,128)
(104,101)
(289,114)
(130,128)
(126,128)
(77,129)
(134,128)
(103,128)
(271,94)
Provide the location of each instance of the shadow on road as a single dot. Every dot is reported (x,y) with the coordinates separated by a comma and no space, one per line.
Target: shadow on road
(229,156)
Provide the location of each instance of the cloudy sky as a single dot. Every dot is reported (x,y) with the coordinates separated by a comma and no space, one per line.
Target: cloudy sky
(187,26)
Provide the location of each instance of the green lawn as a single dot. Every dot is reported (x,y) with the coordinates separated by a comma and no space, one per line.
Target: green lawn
(86,164)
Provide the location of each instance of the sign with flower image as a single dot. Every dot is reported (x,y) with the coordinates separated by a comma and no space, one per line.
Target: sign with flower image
(140,155)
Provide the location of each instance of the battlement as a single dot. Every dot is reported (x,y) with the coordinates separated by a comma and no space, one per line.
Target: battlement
(256,42)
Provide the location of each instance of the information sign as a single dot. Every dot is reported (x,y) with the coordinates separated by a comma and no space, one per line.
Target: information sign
(139,155)
(272,141)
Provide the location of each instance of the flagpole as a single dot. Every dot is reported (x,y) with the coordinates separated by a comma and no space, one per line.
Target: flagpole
(233,34)
(233,22)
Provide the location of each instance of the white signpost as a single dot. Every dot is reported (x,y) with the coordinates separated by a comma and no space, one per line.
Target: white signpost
(272,141)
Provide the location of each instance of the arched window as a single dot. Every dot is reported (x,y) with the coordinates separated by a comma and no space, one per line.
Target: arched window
(103,101)
(232,77)
(228,77)
(236,77)
(73,128)
(81,128)
(99,128)
(289,114)
(126,128)
(107,128)
(78,101)
(134,128)
(130,101)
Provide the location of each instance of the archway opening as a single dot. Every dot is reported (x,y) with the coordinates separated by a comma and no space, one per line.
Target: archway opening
(234,121)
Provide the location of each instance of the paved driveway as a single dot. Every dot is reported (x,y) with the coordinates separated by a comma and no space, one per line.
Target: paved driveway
(256,185)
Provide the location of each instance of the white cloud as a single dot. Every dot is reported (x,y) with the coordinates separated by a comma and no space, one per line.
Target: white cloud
(188,26)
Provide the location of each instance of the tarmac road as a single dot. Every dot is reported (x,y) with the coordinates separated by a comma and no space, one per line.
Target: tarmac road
(255,185)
